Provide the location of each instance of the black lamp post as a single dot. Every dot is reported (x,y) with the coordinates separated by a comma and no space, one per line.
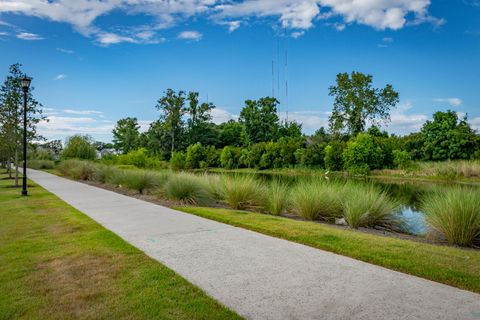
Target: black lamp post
(25,86)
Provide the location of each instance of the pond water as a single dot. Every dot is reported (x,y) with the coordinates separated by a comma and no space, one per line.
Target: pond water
(409,193)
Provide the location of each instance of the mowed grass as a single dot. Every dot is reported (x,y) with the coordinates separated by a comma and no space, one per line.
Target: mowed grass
(56,263)
(450,265)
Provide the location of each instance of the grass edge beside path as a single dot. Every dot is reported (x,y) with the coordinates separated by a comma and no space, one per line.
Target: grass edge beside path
(449,265)
(57,263)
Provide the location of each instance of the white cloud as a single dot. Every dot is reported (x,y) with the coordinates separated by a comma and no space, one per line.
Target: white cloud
(29,36)
(387,39)
(404,122)
(67,51)
(297,34)
(222,115)
(190,35)
(60,77)
(453,102)
(82,112)
(108,38)
(295,14)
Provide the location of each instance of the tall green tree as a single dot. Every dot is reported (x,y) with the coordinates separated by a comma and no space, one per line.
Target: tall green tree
(260,120)
(11,114)
(357,101)
(200,128)
(448,137)
(126,135)
(172,109)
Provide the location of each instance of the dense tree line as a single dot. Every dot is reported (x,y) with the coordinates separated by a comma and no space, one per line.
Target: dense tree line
(185,136)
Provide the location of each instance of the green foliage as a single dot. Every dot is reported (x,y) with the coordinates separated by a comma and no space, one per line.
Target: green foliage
(188,188)
(315,200)
(356,101)
(230,157)
(362,155)
(83,170)
(177,161)
(260,120)
(368,206)
(79,147)
(401,159)
(139,158)
(311,156)
(455,213)
(334,155)
(194,156)
(290,129)
(231,133)
(447,137)
(126,135)
(243,191)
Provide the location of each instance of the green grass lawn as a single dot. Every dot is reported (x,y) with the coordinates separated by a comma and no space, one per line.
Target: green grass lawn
(56,263)
(453,266)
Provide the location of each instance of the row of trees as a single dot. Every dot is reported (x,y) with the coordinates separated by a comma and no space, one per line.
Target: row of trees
(185,135)
(11,119)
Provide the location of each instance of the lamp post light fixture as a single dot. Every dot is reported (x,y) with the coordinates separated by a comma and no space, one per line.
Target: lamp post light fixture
(25,81)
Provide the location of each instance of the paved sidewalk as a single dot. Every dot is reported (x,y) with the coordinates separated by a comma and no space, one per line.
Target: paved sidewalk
(262,277)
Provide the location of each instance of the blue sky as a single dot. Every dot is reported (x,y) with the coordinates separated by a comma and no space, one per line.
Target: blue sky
(94,62)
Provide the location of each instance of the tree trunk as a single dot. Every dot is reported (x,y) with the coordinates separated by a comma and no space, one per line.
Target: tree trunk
(16,165)
(173,142)
(9,168)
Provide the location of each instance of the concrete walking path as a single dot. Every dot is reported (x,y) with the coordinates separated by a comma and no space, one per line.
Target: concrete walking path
(262,277)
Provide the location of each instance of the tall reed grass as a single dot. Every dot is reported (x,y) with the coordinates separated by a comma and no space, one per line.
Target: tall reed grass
(139,180)
(243,191)
(276,200)
(455,213)
(316,199)
(369,206)
(40,164)
(188,188)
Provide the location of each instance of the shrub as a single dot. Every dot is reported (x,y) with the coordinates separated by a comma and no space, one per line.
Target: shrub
(311,156)
(368,206)
(362,155)
(139,180)
(243,191)
(41,164)
(188,188)
(401,159)
(194,155)
(316,199)
(277,198)
(230,157)
(177,161)
(334,155)
(455,213)
(80,147)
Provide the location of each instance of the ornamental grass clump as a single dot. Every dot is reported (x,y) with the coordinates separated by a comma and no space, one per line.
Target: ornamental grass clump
(67,166)
(369,206)
(106,173)
(138,180)
(317,199)
(455,213)
(41,164)
(243,191)
(276,200)
(83,170)
(188,188)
